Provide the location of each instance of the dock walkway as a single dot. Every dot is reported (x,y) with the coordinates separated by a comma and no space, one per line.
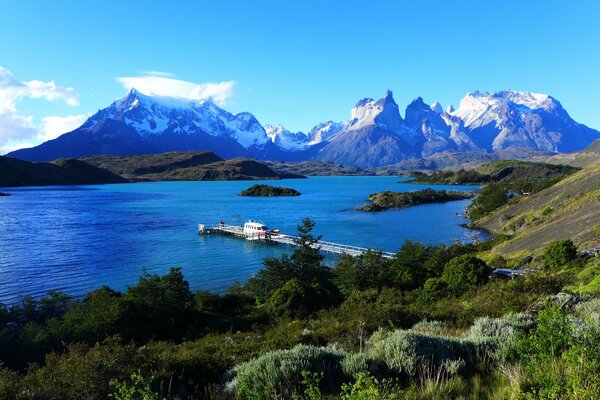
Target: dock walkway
(288,240)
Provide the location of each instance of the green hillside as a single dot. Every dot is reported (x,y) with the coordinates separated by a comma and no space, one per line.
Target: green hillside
(568,209)
(579,159)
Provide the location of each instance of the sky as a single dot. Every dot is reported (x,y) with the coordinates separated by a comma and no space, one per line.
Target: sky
(295,63)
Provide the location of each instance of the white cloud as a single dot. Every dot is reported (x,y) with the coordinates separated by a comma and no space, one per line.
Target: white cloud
(158,73)
(18,130)
(54,126)
(163,86)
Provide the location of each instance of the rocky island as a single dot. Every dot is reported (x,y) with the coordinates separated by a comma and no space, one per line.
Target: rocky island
(269,191)
(382,201)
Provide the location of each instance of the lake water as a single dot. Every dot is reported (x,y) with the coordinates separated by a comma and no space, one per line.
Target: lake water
(77,238)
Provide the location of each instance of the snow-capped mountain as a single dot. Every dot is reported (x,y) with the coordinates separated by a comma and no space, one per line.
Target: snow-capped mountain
(142,124)
(286,139)
(155,115)
(324,131)
(495,121)
(296,141)
(376,133)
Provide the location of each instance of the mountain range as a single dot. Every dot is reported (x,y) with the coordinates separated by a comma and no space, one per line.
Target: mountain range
(505,123)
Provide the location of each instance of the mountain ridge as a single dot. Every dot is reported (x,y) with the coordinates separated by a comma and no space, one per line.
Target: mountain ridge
(375,135)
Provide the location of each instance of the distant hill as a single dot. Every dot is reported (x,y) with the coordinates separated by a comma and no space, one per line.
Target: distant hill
(570,209)
(507,171)
(186,166)
(582,158)
(15,172)
(316,168)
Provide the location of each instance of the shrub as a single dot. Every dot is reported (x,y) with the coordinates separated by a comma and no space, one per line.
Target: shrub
(280,372)
(138,389)
(405,351)
(427,326)
(495,337)
(561,361)
(559,253)
(464,273)
(366,387)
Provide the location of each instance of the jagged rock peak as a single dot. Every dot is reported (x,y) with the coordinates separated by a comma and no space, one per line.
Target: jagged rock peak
(437,108)
(383,112)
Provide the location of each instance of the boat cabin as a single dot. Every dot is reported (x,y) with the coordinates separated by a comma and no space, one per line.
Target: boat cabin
(255,229)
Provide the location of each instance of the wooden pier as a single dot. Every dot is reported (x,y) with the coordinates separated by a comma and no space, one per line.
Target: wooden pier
(289,240)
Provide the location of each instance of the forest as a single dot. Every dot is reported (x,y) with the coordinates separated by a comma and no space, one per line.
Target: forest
(431,323)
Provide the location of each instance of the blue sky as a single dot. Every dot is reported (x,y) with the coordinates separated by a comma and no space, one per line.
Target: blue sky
(294,63)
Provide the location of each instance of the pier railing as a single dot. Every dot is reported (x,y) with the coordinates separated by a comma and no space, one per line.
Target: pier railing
(290,240)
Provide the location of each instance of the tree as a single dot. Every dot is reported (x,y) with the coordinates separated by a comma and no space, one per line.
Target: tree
(369,270)
(158,306)
(559,253)
(306,258)
(409,265)
(464,273)
(305,265)
(294,299)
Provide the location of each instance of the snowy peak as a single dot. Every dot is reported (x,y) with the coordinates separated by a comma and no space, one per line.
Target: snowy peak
(285,139)
(479,109)
(383,113)
(436,108)
(324,131)
(153,116)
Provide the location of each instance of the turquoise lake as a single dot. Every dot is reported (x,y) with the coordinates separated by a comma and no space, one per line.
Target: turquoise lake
(77,238)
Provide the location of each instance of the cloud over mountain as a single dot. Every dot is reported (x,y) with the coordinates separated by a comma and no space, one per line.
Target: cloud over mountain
(155,83)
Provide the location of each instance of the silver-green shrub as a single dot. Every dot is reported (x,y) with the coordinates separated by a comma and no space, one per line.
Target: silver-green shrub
(495,338)
(278,373)
(406,351)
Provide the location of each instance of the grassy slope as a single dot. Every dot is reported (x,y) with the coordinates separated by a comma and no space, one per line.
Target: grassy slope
(184,166)
(579,159)
(568,209)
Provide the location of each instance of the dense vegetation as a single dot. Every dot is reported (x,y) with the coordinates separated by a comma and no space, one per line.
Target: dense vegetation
(385,200)
(566,210)
(430,323)
(501,180)
(14,172)
(186,166)
(523,173)
(268,191)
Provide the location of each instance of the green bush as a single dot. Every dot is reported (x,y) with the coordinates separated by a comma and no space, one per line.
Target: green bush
(559,253)
(279,374)
(406,351)
(138,388)
(561,359)
(496,337)
(464,273)
(294,299)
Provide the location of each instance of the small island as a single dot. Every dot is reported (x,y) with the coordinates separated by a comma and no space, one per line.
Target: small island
(382,201)
(269,191)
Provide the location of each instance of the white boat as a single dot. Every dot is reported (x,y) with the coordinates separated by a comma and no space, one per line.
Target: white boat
(255,230)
